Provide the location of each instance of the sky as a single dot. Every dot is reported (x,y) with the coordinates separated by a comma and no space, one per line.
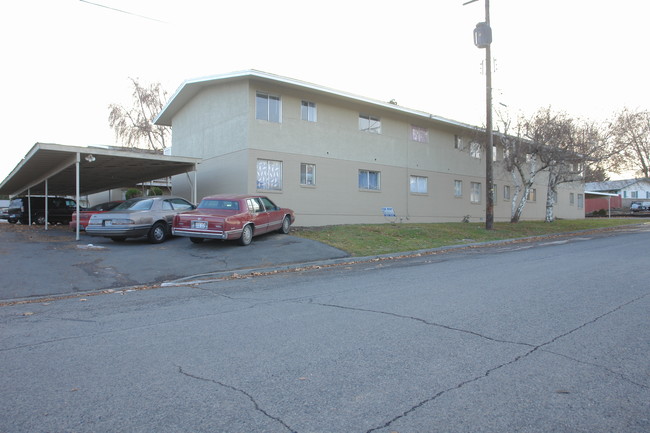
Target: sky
(65,61)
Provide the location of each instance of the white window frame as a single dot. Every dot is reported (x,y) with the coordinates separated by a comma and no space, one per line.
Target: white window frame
(368,123)
(265,109)
(475,193)
(269,175)
(458,142)
(581,201)
(308,111)
(506,192)
(421,135)
(458,188)
(365,177)
(307,174)
(475,150)
(532,195)
(419,184)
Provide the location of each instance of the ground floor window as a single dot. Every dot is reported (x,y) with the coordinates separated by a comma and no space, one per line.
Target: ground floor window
(458,188)
(269,175)
(475,193)
(506,192)
(419,184)
(532,195)
(581,201)
(369,180)
(307,174)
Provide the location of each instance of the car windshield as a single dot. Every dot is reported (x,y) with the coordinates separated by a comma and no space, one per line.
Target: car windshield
(16,203)
(219,204)
(136,204)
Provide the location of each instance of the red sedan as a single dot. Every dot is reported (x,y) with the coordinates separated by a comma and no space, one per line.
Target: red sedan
(87,213)
(232,217)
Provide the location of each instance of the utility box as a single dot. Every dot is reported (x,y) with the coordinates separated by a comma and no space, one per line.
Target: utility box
(482,35)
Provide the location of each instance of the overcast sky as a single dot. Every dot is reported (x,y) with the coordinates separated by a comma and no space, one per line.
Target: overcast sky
(65,61)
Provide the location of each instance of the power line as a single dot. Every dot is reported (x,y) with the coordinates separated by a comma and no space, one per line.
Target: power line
(122,11)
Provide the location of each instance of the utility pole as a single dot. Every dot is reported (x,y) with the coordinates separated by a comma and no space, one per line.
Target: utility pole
(483,39)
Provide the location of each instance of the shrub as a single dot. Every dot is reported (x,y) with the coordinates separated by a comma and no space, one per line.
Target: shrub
(132,192)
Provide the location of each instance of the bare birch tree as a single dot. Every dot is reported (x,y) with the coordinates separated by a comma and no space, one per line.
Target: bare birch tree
(630,142)
(134,125)
(521,160)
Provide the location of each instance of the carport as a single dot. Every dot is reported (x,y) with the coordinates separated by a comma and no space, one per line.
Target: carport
(55,169)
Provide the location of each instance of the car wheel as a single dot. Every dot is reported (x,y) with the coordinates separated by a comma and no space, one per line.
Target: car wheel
(118,238)
(12,221)
(286,225)
(197,240)
(158,233)
(246,235)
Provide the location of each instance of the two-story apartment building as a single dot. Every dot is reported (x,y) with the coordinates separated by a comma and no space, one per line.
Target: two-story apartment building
(334,157)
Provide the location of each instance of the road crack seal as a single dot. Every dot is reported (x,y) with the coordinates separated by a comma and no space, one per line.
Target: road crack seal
(516,359)
(426,322)
(240,391)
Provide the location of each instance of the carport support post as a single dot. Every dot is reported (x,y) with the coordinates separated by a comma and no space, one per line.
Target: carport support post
(77,193)
(46,208)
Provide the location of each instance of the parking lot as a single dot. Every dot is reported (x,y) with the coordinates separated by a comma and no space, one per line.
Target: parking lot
(36,262)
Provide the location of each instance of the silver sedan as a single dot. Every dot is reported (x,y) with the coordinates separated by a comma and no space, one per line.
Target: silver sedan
(142,216)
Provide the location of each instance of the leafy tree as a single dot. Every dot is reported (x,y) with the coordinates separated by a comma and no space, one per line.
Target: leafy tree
(630,144)
(134,125)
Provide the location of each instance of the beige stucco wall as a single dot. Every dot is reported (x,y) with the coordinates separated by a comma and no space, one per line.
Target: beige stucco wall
(219,125)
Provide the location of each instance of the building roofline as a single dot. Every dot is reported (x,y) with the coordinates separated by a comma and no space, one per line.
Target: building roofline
(189,88)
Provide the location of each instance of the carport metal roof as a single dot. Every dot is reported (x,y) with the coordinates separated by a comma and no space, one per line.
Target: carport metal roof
(100,169)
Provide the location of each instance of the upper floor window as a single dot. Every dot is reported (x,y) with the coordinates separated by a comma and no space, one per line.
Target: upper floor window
(269,175)
(475,150)
(369,123)
(458,142)
(308,111)
(369,180)
(307,174)
(419,184)
(419,134)
(268,107)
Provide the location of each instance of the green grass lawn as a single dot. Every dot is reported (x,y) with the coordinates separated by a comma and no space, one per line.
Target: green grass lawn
(373,239)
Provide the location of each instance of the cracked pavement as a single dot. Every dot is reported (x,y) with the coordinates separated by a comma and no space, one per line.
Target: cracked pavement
(551,337)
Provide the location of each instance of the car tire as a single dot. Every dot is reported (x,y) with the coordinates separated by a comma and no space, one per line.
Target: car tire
(246,235)
(158,233)
(286,225)
(118,238)
(197,240)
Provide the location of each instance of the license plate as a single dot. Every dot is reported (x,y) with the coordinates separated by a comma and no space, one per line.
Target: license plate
(201,225)
(108,223)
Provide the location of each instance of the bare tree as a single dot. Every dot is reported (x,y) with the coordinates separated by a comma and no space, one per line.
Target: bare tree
(521,160)
(630,142)
(134,125)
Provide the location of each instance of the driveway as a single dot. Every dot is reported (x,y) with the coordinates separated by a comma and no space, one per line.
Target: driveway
(36,262)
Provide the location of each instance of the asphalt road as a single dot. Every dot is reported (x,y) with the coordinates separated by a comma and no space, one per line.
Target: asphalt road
(545,336)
